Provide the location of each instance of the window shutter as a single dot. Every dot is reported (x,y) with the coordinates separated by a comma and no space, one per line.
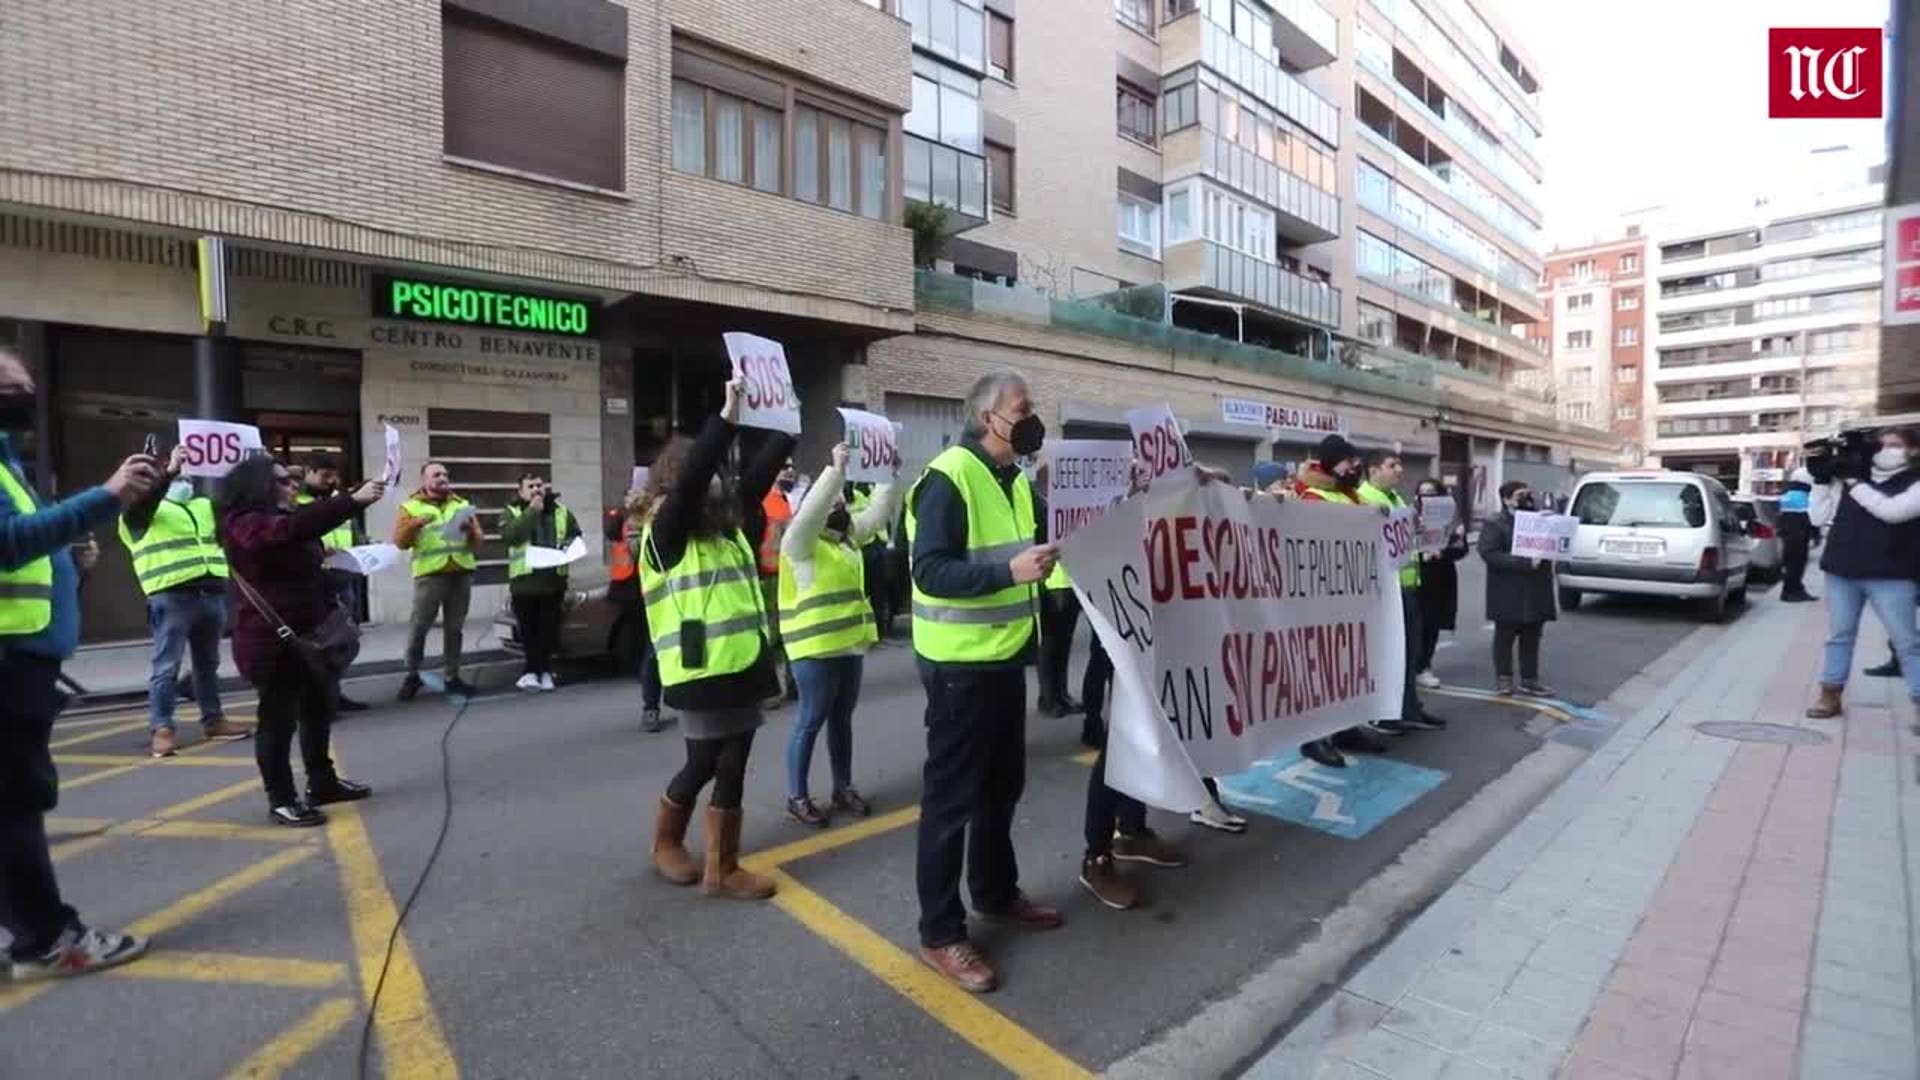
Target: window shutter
(525,102)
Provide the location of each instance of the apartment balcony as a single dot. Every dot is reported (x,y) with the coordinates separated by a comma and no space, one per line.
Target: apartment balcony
(1707,297)
(950,177)
(1475,204)
(1305,34)
(1206,268)
(1462,323)
(1524,186)
(1194,38)
(1304,213)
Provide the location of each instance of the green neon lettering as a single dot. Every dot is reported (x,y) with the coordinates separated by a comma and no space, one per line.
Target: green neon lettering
(522,310)
(573,317)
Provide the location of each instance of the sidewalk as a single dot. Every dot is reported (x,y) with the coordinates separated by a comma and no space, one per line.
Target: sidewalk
(1686,904)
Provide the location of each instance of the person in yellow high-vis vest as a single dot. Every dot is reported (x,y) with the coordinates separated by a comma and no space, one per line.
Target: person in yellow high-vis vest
(977,562)
(537,518)
(170,534)
(827,626)
(443,564)
(1381,488)
(321,480)
(1333,475)
(699,580)
(40,629)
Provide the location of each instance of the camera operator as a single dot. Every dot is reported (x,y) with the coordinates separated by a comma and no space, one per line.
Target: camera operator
(1872,556)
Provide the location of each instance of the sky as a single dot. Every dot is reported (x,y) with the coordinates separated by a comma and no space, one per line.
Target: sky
(1664,103)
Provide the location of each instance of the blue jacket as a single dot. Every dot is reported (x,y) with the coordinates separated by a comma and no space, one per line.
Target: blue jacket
(49,531)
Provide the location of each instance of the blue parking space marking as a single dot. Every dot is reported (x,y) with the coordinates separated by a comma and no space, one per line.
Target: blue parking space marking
(1348,803)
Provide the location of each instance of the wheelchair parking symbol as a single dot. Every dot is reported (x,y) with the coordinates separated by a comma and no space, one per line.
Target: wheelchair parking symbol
(1348,803)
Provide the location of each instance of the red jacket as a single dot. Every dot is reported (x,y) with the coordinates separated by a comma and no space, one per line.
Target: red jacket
(279,553)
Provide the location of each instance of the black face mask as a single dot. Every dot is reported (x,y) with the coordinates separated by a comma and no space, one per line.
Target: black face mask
(839,520)
(1027,434)
(1525,502)
(16,412)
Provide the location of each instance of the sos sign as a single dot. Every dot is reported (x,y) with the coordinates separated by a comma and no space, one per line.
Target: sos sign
(874,445)
(213,447)
(767,399)
(1158,441)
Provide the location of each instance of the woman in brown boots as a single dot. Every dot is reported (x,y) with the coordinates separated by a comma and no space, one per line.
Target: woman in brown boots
(700,583)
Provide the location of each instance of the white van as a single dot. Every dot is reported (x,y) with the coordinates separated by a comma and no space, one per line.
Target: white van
(1657,533)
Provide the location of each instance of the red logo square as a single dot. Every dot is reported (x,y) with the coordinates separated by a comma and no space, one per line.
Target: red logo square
(1825,73)
(1906,290)
(1906,246)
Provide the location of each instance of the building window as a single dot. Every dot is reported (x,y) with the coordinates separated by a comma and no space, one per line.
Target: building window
(955,29)
(1180,215)
(1579,339)
(1135,109)
(1135,13)
(725,137)
(1582,270)
(945,112)
(1629,300)
(1580,301)
(999,46)
(1139,226)
(1628,335)
(1000,176)
(839,162)
(1580,376)
(1627,374)
(515,99)
(1625,412)
(1629,264)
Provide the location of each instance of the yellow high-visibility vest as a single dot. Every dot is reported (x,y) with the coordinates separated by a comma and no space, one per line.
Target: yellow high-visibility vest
(433,552)
(178,546)
(340,537)
(717,582)
(517,554)
(26,591)
(832,615)
(978,629)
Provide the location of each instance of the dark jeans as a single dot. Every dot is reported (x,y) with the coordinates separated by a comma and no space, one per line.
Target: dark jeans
(1108,809)
(30,906)
(185,621)
(1093,686)
(539,619)
(1409,690)
(1528,635)
(629,640)
(1059,611)
(873,565)
(293,699)
(829,690)
(723,762)
(1793,561)
(976,770)
(1429,644)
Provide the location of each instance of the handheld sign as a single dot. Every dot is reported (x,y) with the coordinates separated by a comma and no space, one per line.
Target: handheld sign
(395,460)
(873,444)
(1158,441)
(367,559)
(767,399)
(1436,522)
(1085,478)
(546,558)
(1400,532)
(1543,536)
(214,447)
(456,525)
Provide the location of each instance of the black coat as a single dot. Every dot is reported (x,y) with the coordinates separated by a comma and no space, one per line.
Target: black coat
(1517,591)
(1440,585)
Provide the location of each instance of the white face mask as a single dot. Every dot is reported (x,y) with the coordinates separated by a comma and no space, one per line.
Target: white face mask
(1890,459)
(180,491)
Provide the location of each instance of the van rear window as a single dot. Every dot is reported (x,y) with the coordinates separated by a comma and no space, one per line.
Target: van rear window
(1652,505)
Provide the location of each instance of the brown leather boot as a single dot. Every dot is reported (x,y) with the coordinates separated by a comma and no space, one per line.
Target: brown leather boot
(724,876)
(1827,706)
(670,843)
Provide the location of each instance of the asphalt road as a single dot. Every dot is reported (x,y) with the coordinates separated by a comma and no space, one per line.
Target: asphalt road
(543,945)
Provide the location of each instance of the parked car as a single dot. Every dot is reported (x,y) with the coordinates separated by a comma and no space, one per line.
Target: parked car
(1657,533)
(587,630)
(1761,515)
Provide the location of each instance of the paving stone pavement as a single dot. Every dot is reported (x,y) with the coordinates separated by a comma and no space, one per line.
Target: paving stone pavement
(1683,905)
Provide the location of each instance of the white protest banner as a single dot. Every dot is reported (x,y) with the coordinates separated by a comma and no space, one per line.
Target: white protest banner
(767,399)
(214,447)
(546,558)
(1436,522)
(873,444)
(1401,533)
(367,559)
(395,460)
(1158,441)
(1242,627)
(1543,536)
(1085,478)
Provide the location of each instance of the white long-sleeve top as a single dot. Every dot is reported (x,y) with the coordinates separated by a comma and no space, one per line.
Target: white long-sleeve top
(811,519)
(1892,509)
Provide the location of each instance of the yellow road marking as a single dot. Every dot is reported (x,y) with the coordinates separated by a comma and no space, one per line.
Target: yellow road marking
(218,830)
(211,798)
(62,852)
(202,900)
(960,1012)
(234,968)
(412,1044)
(829,839)
(60,828)
(95,777)
(178,759)
(1529,704)
(118,728)
(287,1048)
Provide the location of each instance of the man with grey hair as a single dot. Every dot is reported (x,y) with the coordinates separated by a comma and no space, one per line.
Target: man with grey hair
(974,528)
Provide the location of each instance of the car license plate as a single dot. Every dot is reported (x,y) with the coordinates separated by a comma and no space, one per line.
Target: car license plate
(1632,547)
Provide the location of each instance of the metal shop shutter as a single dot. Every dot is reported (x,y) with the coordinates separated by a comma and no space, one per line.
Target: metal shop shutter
(1233,455)
(928,426)
(527,102)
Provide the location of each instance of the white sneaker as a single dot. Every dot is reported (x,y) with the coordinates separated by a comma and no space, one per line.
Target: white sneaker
(1214,816)
(546,683)
(1427,679)
(528,682)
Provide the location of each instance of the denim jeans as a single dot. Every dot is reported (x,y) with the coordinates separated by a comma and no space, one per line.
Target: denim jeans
(185,621)
(829,689)
(1892,600)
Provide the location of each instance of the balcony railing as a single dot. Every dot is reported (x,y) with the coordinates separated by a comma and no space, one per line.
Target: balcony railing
(1488,154)
(1267,80)
(938,173)
(1315,213)
(1528,238)
(1306,35)
(1510,274)
(1270,285)
(1503,333)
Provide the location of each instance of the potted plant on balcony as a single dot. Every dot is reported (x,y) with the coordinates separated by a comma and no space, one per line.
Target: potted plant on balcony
(928,223)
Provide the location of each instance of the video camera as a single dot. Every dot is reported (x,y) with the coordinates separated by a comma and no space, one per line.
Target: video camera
(1847,455)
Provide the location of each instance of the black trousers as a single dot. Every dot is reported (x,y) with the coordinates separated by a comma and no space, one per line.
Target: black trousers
(1528,635)
(1429,643)
(873,567)
(1410,690)
(30,906)
(1108,809)
(1059,612)
(722,761)
(539,620)
(976,770)
(293,699)
(1793,561)
(1093,684)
